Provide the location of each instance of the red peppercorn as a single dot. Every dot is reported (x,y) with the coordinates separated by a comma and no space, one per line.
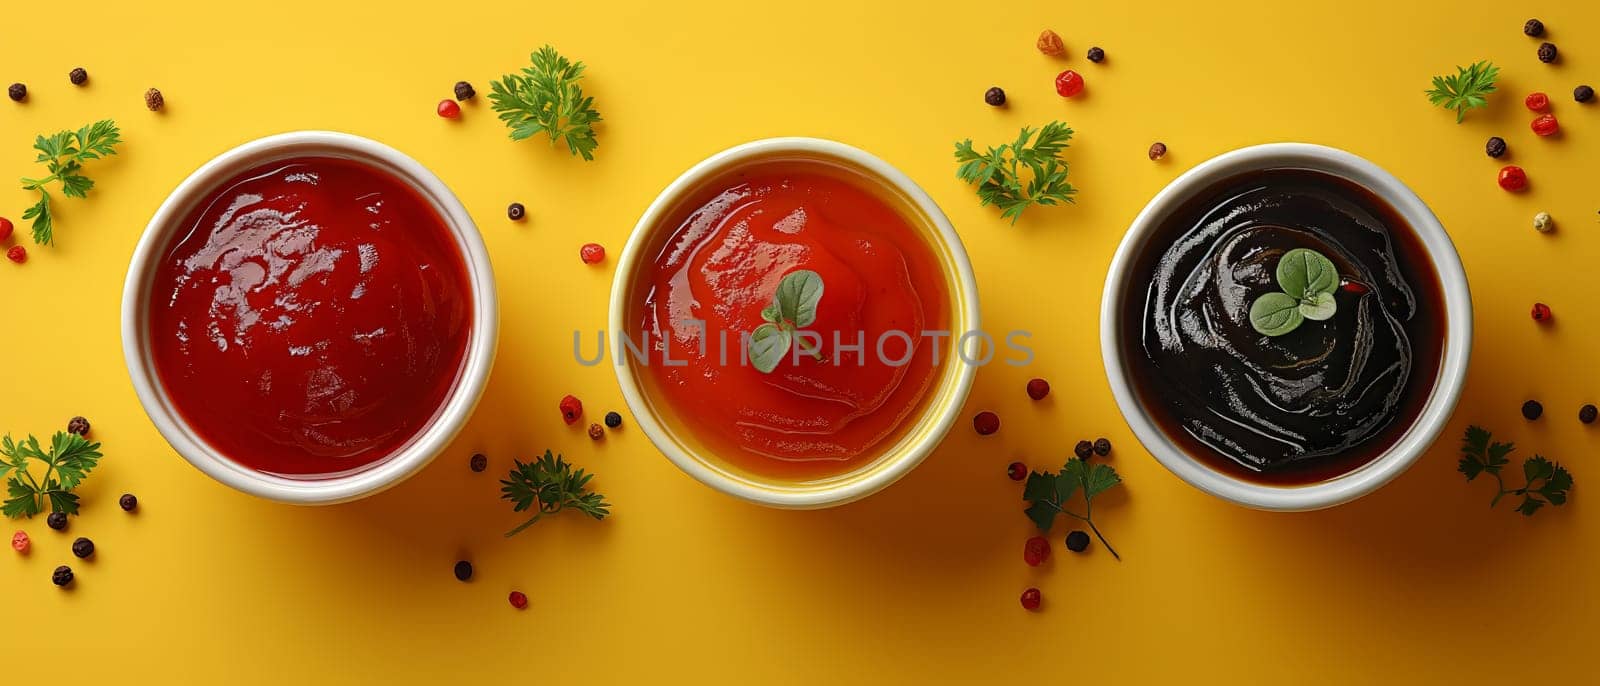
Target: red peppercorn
(17,254)
(1512,178)
(20,542)
(571,409)
(1541,312)
(449,109)
(986,423)
(5,228)
(1069,83)
(592,253)
(1537,102)
(1038,389)
(518,599)
(1545,125)
(1017,471)
(1036,551)
(1030,599)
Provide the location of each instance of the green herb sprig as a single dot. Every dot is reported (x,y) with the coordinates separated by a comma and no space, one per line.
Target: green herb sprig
(1308,280)
(1019,175)
(549,485)
(63,154)
(792,307)
(546,98)
(1545,482)
(1468,88)
(67,464)
(1049,493)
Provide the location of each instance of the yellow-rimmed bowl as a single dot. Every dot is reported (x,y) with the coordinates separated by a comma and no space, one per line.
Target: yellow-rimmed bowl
(938,409)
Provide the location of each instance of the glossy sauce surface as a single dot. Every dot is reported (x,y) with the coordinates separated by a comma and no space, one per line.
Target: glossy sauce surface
(722,264)
(1319,401)
(310,316)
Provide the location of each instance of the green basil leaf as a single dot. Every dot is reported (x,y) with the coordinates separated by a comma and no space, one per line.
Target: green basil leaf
(1303,273)
(1275,314)
(1319,307)
(798,295)
(771,312)
(769,343)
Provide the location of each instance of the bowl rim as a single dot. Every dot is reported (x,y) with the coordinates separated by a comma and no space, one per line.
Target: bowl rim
(412,456)
(964,292)
(1435,414)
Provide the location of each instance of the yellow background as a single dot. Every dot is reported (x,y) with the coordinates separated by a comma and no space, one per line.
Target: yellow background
(1418,582)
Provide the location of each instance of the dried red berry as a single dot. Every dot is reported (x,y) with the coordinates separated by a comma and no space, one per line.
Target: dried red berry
(571,409)
(986,423)
(518,599)
(154,101)
(1017,471)
(17,254)
(1158,150)
(1545,125)
(20,542)
(1036,551)
(1031,599)
(1038,389)
(1541,312)
(1069,83)
(1537,102)
(592,253)
(1512,178)
(1050,44)
(449,109)
(596,433)
(5,228)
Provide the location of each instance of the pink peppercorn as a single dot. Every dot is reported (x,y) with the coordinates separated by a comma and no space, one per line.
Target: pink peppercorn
(592,253)
(518,599)
(1031,599)
(986,423)
(20,542)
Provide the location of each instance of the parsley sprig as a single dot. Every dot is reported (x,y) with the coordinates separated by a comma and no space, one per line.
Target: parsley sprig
(549,485)
(63,154)
(1468,88)
(546,98)
(1017,175)
(67,463)
(1547,482)
(1049,494)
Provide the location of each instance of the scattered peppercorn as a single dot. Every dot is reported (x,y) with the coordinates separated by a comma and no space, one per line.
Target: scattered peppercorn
(995,96)
(1588,413)
(463,570)
(1158,150)
(1102,447)
(986,423)
(1083,450)
(1512,178)
(571,409)
(596,433)
(1017,471)
(464,91)
(1038,389)
(1541,312)
(1583,93)
(1030,599)
(17,254)
(1545,125)
(20,542)
(1050,44)
(1532,410)
(592,253)
(518,599)
(57,521)
(78,425)
(1036,551)
(448,109)
(1496,147)
(1069,83)
(1536,101)
(128,502)
(478,462)
(613,420)
(1547,52)
(1533,29)
(78,76)
(1543,223)
(1077,541)
(154,100)
(62,576)
(17,92)
(83,548)
(5,228)
(515,211)
(1096,55)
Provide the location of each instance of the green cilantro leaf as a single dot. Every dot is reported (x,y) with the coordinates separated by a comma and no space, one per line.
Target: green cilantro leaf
(999,172)
(1547,482)
(549,485)
(1466,89)
(63,154)
(68,462)
(546,98)
(1049,493)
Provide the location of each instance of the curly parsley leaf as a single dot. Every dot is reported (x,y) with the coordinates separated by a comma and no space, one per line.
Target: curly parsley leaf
(1048,494)
(1017,175)
(63,155)
(546,98)
(68,462)
(1546,482)
(549,485)
(1466,89)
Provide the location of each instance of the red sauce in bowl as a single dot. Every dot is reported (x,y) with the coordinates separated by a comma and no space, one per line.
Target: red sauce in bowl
(721,265)
(310,317)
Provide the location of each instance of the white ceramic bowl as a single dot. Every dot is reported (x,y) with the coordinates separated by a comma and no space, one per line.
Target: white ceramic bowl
(1452,369)
(947,395)
(411,457)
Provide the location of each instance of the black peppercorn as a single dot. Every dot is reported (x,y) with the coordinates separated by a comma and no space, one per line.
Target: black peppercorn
(613,420)
(78,425)
(128,502)
(463,570)
(479,462)
(1077,541)
(1547,52)
(154,100)
(516,211)
(1102,447)
(1534,28)
(1531,410)
(82,547)
(57,521)
(1588,413)
(1583,94)
(1096,55)
(62,576)
(17,92)
(78,76)
(1496,147)
(994,96)
(464,91)
(1083,450)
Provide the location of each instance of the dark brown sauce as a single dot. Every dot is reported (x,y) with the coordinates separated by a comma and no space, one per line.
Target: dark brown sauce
(1307,406)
